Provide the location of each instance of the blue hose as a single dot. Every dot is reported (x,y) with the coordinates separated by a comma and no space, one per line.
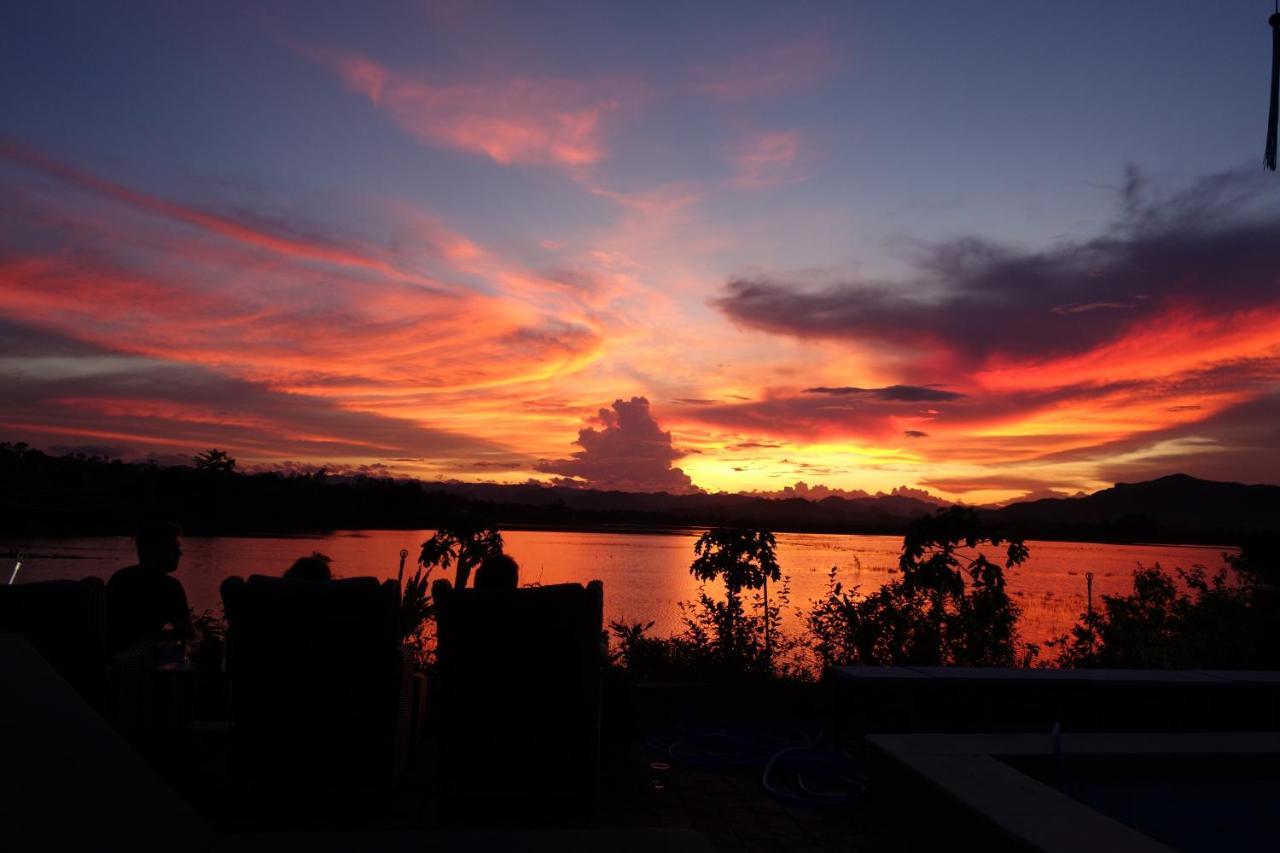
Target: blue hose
(821,777)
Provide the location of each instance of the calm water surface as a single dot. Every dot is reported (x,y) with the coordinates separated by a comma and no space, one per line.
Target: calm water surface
(644,575)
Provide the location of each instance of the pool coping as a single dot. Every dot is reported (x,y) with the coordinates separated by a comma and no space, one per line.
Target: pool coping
(1026,676)
(967,768)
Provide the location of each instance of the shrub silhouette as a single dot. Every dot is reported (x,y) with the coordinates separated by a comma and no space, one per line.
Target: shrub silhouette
(1182,620)
(948,607)
(743,559)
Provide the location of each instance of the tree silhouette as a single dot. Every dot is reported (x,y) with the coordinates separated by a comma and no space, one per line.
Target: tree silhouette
(949,607)
(464,544)
(744,558)
(214,460)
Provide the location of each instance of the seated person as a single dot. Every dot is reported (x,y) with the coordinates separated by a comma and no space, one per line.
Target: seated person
(313,568)
(498,572)
(142,599)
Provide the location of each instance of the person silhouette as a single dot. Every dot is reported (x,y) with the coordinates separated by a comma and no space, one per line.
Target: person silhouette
(312,568)
(144,598)
(498,572)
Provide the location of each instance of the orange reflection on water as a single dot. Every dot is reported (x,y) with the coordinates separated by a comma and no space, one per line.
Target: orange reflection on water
(645,575)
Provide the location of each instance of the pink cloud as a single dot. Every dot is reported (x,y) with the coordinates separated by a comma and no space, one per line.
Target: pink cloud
(629,452)
(766,159)
(224,226)
(519,120)
(229,295)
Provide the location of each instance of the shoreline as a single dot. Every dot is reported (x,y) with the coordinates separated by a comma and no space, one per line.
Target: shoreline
(11,552)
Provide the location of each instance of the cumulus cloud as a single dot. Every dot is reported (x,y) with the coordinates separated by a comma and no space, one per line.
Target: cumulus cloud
(629,453)
(918,494)
(819,492)
(804,491)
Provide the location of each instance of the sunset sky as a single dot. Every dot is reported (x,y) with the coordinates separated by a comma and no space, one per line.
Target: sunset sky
(984,249)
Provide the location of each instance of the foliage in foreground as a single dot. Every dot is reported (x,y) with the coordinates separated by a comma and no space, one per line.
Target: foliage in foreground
(696,653)
(738,636)
(463,542)
(1188,619)
(743,559)
(949,607)
(1185,620)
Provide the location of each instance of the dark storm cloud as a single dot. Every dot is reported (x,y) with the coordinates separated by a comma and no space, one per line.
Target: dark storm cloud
(896,393)
(1213,247)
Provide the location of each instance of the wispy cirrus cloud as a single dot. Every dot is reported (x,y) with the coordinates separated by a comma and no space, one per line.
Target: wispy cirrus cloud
(512,120)
(767,159)
(55,389)
(362,326)
(222,225)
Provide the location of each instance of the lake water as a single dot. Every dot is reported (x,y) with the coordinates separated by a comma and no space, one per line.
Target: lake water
(644,574)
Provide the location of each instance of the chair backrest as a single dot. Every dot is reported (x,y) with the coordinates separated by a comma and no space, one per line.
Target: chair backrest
(520,672)
(65,621)
(548,631)
(315,669)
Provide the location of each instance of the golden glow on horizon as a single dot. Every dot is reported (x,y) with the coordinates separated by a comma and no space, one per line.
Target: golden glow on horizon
(437,353)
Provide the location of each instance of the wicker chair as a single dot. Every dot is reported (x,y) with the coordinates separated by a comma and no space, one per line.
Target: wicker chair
(517,693)
(319,687)
(65,621)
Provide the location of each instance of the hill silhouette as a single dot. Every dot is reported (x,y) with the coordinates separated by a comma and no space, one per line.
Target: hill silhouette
(44,495)
(1175,508)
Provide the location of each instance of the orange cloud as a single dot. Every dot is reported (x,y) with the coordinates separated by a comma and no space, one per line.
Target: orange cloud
(422,342)
(518,120)
(184,296)
(1184,337)
(395,335)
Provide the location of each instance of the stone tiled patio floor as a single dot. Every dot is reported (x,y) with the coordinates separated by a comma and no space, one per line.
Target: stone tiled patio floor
(735,812)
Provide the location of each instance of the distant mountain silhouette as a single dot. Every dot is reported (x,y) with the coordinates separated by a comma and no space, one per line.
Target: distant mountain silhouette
(42,495)
(881,514)
(1174,508)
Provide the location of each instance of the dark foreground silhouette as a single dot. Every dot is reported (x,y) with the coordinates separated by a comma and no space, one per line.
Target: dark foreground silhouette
(144,600)
(332,716)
